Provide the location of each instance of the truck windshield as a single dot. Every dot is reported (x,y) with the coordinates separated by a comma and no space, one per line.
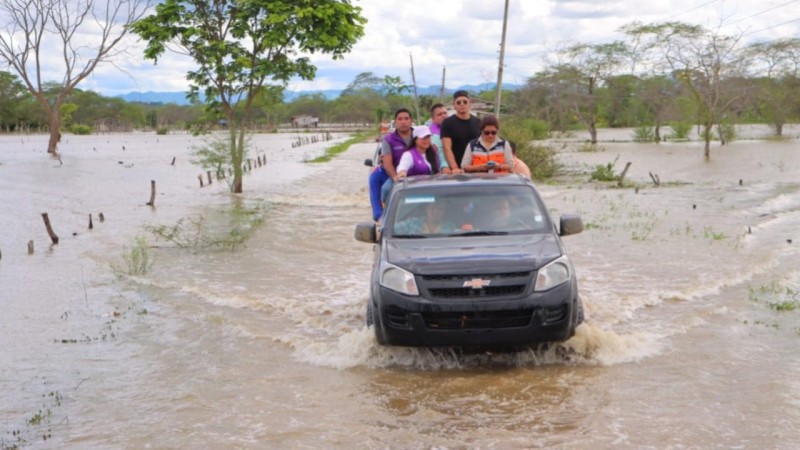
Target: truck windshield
(455,211)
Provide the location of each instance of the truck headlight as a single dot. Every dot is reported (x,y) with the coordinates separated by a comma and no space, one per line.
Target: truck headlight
(399,280)
(553,274)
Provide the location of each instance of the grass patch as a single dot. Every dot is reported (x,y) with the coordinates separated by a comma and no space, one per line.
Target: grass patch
(710,233)
(195,235)
(136,261)
(337,149)
(775,296)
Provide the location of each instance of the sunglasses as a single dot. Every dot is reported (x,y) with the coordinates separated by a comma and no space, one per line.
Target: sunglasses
(489,132)
(462,102)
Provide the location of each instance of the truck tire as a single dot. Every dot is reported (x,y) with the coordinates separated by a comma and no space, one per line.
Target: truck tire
(375,323)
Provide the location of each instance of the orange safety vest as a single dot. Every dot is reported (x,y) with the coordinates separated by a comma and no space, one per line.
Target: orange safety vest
(481,157)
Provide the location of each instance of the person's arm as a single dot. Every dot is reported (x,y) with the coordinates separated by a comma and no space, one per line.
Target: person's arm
(387,161)
(508,157)
(444,165)
(406,161)
(521,168)
(466,162)
(447,143)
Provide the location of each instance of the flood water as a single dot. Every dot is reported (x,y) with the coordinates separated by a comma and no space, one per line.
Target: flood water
(690,290)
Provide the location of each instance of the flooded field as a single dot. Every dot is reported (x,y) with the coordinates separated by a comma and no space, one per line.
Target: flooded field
(690,289)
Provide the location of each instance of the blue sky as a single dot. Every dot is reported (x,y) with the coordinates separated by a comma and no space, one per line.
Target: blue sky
(464,36)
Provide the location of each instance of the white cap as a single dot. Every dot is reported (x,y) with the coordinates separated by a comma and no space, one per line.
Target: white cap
(421,131)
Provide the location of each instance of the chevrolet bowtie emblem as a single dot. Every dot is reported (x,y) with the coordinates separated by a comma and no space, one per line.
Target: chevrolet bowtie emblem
(476,283)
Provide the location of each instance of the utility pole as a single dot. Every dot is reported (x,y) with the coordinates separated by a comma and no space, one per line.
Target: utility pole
(442,93)
(499,88)
(414,80)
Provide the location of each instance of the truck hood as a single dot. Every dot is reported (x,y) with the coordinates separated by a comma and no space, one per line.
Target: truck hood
(473,254)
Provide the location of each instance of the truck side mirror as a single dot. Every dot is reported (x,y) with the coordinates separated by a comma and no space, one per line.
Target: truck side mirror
(570,224)
(365,232)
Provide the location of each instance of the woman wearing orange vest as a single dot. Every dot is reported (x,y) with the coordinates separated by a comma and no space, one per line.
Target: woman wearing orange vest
(489,152)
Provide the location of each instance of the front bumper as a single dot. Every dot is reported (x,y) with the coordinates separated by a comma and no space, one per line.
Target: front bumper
(484,323)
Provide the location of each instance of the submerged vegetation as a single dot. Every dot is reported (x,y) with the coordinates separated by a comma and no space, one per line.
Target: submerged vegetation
(194,234)
(136,260)
(339,148)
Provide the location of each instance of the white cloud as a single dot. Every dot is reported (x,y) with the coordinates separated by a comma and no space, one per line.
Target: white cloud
(464,36)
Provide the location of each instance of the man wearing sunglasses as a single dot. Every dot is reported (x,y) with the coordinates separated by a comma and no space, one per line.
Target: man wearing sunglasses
(458,130)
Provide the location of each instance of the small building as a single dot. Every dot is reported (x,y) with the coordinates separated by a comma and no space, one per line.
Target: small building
(305,121)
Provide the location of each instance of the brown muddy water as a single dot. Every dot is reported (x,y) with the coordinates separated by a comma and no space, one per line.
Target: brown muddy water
(690,288)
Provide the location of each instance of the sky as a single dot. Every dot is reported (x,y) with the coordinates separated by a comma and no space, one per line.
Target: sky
(464,37)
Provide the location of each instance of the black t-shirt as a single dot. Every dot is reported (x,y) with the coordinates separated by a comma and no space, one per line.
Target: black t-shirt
(461,132)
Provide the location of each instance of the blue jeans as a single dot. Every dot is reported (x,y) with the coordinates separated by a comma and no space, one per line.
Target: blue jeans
(386,189)
(377,178)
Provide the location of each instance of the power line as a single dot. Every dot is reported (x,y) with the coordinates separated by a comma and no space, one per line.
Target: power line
(761,12)
(690,10)
(772,26)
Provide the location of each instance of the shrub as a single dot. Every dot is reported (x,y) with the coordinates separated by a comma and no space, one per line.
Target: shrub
(605,172)
(726,132)
(541,159)
(644,134)
(532,129)
(137,260)
(680,130)
(80,129)
(162,130)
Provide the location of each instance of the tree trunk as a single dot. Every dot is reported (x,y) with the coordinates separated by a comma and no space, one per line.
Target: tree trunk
(55,133)
(707,130)
(593,131)
(658,133)
(779,129)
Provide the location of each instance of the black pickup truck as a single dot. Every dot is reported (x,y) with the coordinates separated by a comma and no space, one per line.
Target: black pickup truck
(471,261)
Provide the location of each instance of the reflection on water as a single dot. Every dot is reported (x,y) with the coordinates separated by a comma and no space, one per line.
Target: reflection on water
(688,287)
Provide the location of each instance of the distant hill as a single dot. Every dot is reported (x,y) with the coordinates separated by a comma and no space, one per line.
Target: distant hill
(179,98)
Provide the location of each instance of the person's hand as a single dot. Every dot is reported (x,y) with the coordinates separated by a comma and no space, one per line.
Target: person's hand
(447,171)
(456,171)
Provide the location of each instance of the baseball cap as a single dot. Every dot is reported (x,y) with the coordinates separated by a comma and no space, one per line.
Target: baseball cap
(421,131)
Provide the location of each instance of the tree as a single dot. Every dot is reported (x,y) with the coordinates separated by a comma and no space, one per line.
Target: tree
(37,28)
(776,66)
(12,93)
(364,80)
(242,45)
(586,68)
(705,62)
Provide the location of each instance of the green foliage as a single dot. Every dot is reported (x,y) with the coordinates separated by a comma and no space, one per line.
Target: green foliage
(775,296)
(214,154)
(710,233)
(644,134)
(66,110)
(194,234)
(136,260)
(588,147)
(80,129)
(162,130)
(339,148)
(605,172)
(541,159)
(726,132)
(244,47)
(680,130)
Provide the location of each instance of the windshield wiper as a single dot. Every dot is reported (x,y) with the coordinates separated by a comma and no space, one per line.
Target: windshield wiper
(409,236)
(480,233)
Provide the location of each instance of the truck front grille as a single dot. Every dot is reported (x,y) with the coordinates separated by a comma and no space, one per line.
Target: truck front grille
(509,284)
